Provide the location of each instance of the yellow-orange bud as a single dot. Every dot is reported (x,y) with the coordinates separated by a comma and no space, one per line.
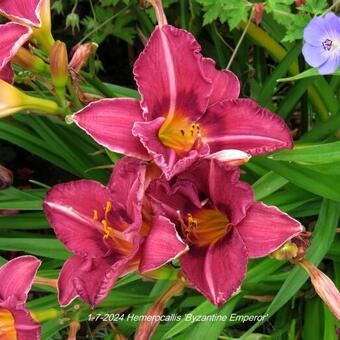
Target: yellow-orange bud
(30,62)
(59,67)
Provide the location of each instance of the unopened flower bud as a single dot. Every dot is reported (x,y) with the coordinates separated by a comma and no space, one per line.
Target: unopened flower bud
(30,62)
(6,178)
(231,157)
(258,12)
(58,6)
(148,325)
(81,55)
(74,328)
(59,67)
(324,286)
(12,100)
(287,252)
(299,3)
(72,20)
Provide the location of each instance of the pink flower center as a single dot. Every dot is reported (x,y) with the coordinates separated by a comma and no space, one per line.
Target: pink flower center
(7,325)
(179,134)
(205,227)
(113,237)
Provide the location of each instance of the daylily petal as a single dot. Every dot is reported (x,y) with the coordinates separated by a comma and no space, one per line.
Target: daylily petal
(127,184)
(66,290)
(169,74)
(16,277)
(244,125)
(109,122)
(221,184)
(163,244)
(22,11)
(13,36)
(7,74)
(70,209)
(226,85)
(217,271)
(92,279)
(165,158)
(25,326)
(266,228)
(169,200)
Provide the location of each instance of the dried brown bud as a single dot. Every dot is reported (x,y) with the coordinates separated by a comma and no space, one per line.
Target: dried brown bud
(73,330)
(6,178)
(324,286)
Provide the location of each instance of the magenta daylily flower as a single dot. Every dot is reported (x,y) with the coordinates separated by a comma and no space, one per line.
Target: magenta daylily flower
(209,219)
(16,278)
(188,109)
(101,226)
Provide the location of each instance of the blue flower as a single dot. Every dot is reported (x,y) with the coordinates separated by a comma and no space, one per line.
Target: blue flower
(322,43)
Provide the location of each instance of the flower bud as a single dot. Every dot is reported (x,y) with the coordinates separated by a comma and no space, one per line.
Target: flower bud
(59,67)
(258,12)
(74,328)
(324,286)
(6,178)
(149,324)
(81,55)
(30,62)
(58,6)
(287,252)
(12,100)
(72,20)
(231,157)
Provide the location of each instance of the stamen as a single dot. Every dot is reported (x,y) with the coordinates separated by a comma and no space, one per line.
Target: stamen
(327,45)
(95,215)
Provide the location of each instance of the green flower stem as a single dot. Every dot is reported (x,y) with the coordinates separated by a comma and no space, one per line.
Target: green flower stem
(45,39)
(97,84)
(40,105)
(277,52)
(74,98)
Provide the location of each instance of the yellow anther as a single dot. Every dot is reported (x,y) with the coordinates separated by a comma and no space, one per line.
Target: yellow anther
(106,228)
(95,215)
(108,207)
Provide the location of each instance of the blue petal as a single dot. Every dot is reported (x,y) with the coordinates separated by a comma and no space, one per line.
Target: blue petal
(315,55)
(331,65)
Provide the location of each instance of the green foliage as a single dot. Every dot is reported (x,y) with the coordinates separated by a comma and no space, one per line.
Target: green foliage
(304,181)
(233,11)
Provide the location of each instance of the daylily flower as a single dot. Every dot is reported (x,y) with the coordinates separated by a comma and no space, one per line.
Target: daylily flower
(322,43)
(101,225)
(188,110)
(16,278)
(209,219)
(34,14)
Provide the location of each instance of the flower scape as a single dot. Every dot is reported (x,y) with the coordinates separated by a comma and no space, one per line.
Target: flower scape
(177,210)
